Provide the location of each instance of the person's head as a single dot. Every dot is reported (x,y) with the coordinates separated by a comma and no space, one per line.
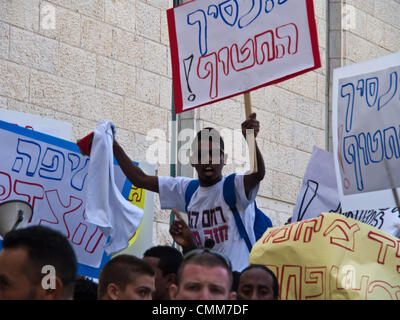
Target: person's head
(257,282)
(85,289)
(37,263)
(208,157)
(165,261)
(126,277)
(203,275)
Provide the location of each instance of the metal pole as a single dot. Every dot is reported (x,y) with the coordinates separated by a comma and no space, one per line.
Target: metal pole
(174,144)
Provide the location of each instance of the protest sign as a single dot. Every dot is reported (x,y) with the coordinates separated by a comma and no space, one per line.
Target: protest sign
(331,257)
(56,128)
(365,122)
(223,48)
(50,174)
(318,193)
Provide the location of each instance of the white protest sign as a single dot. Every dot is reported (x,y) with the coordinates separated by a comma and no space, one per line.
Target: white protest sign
(319,194)
(56,128)
(221,48)
(365,122)
(50,174)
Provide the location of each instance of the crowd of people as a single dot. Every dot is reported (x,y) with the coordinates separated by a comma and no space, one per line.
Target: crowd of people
(39,263)
(163,273)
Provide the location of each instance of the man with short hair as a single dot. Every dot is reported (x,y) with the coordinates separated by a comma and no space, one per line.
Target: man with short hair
(126,277)
(165,261)
(257,282)
(203,275)
(37,263)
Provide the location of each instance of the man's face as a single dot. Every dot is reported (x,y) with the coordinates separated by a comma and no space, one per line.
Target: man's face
(210,162)
(141,288)
(15,283)
(256,284)
(203,283)
(161,282)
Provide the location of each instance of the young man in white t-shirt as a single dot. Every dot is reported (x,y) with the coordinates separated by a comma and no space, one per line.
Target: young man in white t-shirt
(209,216)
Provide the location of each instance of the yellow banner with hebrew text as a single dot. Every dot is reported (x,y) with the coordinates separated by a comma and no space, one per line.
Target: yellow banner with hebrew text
(331,257)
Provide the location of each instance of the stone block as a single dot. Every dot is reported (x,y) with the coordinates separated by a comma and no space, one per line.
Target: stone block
(142,118)
(285,187)
(4,40)
(91,8)
(21,13)
(128,47)
(121,13)
(33,50)
(14,80)
(148,21)
(148,87)
(96,36)
(115,77)
(77,64)
(61,94)
(60,24)
(111,107)
(155,57)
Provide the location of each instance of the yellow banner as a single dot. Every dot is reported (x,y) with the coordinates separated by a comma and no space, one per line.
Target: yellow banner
(137,196)
(331,257)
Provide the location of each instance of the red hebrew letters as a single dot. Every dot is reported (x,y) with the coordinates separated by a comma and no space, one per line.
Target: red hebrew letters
(347,232)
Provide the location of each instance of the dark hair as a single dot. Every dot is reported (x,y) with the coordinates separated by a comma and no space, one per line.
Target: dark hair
(205,257)
(209,134)
(122,270)
(275,284)
(85,289)
(45,246)
(170,258)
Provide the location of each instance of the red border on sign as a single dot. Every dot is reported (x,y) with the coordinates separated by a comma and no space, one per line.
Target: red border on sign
(176,65)
(175,61)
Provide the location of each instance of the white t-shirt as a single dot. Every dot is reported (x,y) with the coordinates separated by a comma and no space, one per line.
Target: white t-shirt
(209,216)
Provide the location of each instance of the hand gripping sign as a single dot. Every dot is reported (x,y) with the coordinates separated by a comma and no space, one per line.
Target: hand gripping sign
(222,48)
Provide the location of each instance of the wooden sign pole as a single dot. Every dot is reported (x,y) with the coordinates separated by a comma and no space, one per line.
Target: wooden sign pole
(250,138)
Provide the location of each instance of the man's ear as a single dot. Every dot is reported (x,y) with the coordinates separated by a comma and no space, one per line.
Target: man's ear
(54,293)
(225,158)
(173,291)
(171,279)
(113,291)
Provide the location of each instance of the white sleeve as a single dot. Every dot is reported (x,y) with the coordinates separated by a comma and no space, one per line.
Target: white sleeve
(172,192)
(241,200)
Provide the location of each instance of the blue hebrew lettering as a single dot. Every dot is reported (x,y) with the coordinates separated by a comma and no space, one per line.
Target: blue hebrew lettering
(212,11)
(199,17)
(360,87)
(391,143)
(79,178)
(390,93)
(281,1)
(375,147)
(251,15)
(364,147)
(269,5)
(74,159)
(352,156)
(371,90)
(348,91)
(53,163)
(31,151)
(229,11)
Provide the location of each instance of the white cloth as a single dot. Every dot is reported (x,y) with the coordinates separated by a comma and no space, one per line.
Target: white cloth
(117,218)
(210,217)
